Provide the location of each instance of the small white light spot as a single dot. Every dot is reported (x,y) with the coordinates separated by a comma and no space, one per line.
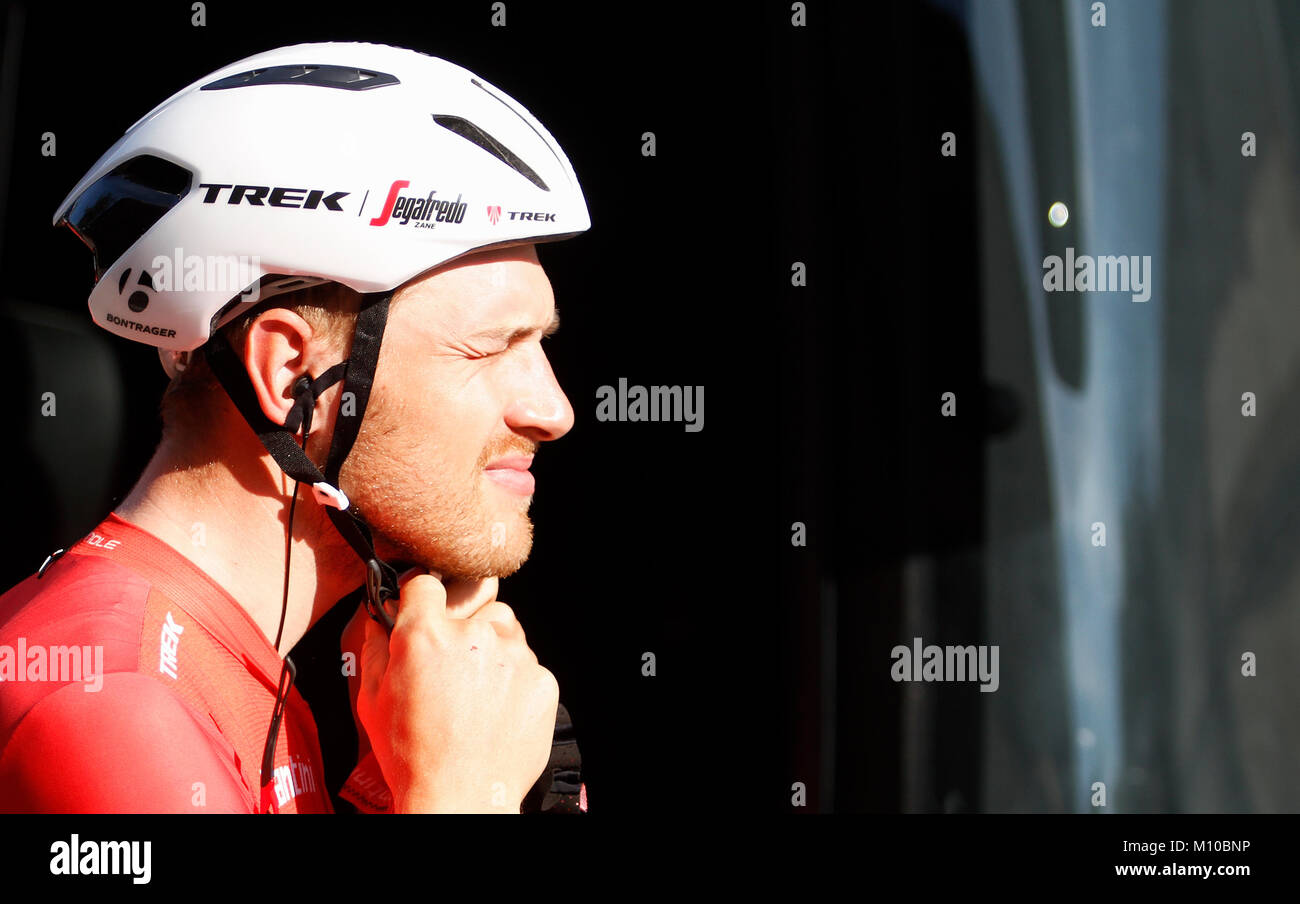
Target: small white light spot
(1058,214)
(1086,738)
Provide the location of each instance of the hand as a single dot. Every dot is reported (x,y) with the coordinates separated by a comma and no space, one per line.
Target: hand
(464,599)
(458,711)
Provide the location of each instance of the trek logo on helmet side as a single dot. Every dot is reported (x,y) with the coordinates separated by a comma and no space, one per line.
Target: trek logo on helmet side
(494,215)
(274,196)
(423,213)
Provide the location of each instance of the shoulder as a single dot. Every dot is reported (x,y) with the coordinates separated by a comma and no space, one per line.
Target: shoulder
(78,594)
(134,745)
(81,621)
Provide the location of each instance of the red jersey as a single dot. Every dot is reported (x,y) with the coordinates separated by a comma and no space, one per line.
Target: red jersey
(131,682)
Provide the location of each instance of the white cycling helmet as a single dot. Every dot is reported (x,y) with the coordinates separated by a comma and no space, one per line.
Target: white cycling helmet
(357,163)
(360,164)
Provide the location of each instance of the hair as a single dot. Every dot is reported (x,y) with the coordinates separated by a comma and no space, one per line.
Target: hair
(193,394)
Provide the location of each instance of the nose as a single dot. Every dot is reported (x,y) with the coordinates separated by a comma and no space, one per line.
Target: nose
(540,409)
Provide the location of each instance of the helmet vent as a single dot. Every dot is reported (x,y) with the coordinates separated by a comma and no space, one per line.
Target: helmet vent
(124,204)
(472,133)
(349,78)
(524,119)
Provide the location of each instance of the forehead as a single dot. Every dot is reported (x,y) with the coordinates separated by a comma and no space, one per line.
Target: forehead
(490,289)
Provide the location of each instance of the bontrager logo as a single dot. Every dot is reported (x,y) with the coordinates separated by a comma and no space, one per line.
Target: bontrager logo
(140,327)
(424,212)
(102,858)
(170,646)
(274,196)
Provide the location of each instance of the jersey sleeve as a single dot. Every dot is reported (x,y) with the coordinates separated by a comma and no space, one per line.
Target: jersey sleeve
(133,746)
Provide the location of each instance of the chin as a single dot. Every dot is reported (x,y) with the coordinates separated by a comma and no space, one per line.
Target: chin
(464,562)
(496,567)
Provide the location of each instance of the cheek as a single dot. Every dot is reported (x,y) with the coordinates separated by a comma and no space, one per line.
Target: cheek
(443,413)
(453,429)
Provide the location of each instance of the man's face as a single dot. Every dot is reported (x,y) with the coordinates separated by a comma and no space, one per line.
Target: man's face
(463,397)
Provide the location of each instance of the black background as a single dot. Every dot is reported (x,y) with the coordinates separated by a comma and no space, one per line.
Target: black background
(649,538)
(775,144)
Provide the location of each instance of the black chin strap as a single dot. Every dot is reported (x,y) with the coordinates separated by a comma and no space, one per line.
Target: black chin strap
(358,374)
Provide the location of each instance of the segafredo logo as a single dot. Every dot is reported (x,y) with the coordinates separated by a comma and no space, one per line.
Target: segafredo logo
(413,210)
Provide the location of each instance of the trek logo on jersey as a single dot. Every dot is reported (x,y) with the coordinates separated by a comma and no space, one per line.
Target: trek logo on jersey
(293,779)
(422,213)
(170,646)
(274,196)
(494,213)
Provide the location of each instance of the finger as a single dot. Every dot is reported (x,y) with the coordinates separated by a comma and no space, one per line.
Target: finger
(466,598)
(502,618)
(374,658)
(354,635)
(352,643)
(422,596)
(512,639)
(412,572)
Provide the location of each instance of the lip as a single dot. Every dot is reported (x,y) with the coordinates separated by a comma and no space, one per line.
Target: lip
(512,474)
(513,462)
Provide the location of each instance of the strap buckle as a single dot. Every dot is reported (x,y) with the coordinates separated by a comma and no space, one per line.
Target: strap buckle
(377,594)
(330,495)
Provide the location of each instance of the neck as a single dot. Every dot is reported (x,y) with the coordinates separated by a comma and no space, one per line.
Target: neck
(231,522)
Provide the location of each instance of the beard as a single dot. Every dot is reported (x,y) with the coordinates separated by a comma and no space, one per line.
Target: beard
(424,511)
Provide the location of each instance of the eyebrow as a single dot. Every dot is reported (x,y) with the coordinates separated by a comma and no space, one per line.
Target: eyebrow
(512,334)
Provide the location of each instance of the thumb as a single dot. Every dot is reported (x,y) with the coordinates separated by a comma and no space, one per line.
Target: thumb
(464,598)
(422,595)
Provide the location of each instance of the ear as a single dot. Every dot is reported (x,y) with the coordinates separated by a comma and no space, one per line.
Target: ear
(279,349)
